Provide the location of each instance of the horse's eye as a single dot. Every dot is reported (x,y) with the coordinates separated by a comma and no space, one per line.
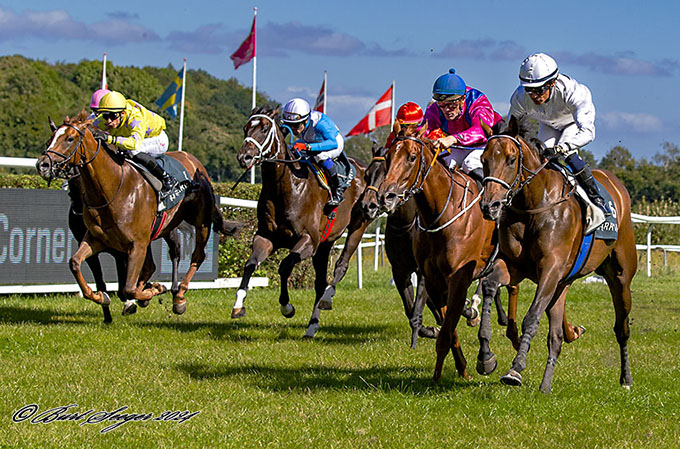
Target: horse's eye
(69,139)
(412,158)
(511,160)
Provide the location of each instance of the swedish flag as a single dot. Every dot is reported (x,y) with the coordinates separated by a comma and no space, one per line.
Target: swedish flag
(172,95)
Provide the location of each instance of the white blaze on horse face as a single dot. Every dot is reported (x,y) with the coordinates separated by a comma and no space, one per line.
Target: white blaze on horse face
(254,123)
(58,134)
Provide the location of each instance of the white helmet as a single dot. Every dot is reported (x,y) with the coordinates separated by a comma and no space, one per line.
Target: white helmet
(537,69)
(296,111)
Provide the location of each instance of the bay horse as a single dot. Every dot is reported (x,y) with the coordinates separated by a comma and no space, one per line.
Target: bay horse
(400,235)
(455,242)
(540,232)
(120,208)
(290,215)
(79,229)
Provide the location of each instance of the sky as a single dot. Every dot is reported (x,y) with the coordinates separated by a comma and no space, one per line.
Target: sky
(624,51)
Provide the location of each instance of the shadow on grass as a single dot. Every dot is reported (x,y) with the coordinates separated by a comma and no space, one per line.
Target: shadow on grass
(20,315)
(332,334)
(318,378)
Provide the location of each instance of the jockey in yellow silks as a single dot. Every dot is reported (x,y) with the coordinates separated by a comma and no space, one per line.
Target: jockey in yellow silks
(136,131)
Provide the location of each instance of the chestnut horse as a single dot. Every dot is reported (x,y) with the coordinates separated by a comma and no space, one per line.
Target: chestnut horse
(77,227)
(400,235)
(290,215)
(120,207)
(455,242)
(540,232)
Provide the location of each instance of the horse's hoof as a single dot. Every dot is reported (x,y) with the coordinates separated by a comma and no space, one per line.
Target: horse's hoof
(428,332)
(474,318)
(311,331)
(325,304)
(513,378)
(238,312)
(179,307)
(130,307)
(143,302)
(288,310)
(488,366)
(106,300)
(160,288)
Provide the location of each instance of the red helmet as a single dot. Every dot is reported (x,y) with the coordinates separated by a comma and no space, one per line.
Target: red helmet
(409,113)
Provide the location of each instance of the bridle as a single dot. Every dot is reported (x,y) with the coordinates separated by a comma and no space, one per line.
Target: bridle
(59,168)
(518,183)
(272,138)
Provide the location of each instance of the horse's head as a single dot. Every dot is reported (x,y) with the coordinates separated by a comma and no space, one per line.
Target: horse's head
(66,147)
(506,160)
(406,162)
(374,176)
(262,137)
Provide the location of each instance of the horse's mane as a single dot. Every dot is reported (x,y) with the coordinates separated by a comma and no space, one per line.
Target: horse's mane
(271,109)
(515,128)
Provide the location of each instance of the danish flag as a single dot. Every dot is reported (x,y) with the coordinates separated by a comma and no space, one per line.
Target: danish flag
(379,115)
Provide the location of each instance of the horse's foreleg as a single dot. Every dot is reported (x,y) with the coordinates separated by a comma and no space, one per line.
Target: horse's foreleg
(320,262)
(355,231)
(179,302)
(511,320)
(545,291)
(133,291)
(96,268)
(262,248)
(571,332)
(87,248)
(555,338)
(457,287)
(172,239)
(302,250)
(486,359)
(471,311)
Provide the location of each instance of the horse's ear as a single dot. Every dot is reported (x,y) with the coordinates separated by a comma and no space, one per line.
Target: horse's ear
(513,126)
(487,129)
(53,127)
(423,130)
(396,128)
(82,115)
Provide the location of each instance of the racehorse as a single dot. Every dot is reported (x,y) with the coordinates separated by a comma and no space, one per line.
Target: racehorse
(120,208)
(290,215)
(78,229)
(540,233)
(400,235)
(454,242)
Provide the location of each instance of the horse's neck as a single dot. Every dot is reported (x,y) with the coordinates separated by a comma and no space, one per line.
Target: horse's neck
(545,188)
(100,177)
(435,192)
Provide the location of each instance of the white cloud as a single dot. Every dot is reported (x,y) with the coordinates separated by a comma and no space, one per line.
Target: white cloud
(629,121)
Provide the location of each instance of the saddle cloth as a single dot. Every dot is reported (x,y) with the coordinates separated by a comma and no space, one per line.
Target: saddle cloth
(174,168)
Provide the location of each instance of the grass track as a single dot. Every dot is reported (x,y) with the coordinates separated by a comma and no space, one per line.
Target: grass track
(257,383)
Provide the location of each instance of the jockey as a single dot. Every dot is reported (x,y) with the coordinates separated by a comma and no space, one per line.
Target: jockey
(407,114)
(94,101)
(454,118)
(566,118)
(319,138)
(140,133)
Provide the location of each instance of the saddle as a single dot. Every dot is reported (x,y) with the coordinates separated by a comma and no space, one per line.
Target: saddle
(346,172)
(609,229)
(176,169)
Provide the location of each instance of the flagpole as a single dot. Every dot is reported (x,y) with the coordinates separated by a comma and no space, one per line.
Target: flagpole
(181,110)
(325,92)
(252,169)
(392,107)
(104,83)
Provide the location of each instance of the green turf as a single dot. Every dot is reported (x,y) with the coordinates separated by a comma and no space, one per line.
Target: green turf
(257,383)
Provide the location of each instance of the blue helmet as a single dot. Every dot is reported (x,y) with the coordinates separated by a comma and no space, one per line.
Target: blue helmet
(448,87)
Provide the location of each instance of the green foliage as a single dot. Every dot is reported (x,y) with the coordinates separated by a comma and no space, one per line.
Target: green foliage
(31,91)
(662,234)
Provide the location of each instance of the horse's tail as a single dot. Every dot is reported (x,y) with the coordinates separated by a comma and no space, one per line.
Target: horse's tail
(225,227)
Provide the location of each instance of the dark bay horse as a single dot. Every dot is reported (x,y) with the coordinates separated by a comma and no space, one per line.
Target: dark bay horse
(120,207)
(456,241)
(400,236)
(540,233)
(290,215)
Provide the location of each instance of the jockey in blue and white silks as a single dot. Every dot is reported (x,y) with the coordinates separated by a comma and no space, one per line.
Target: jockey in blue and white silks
(318,137)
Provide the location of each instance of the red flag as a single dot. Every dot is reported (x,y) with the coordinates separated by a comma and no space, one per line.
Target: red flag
(248,48)
(379,115)
(320,104)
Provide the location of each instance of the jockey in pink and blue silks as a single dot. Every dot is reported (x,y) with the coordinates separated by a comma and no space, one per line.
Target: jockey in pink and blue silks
(454,120)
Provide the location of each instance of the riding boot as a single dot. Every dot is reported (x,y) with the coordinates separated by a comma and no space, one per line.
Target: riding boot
(150,163)
(478,175)
(334,183)
(586,180)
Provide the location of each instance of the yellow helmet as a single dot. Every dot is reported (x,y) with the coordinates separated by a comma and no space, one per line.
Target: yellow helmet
(112,102)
